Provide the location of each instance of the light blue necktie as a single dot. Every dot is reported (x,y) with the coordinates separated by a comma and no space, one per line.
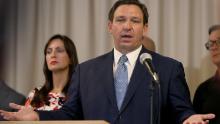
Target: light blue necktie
(121,80)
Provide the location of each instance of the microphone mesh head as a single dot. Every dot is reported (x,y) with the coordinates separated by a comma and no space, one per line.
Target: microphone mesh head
(145,56)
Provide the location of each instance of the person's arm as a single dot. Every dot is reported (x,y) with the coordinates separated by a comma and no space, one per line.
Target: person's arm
(24,113)
(179,95)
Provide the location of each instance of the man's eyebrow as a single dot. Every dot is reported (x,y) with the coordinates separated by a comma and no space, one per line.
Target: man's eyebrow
(134,17)
(119,16)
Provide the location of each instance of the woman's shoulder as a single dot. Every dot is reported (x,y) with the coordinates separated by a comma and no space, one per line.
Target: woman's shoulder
(31,94)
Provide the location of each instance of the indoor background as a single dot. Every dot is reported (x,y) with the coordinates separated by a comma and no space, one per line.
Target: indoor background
(178,27)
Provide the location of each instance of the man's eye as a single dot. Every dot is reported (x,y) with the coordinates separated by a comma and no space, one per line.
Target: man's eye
(119,20)
(136,20)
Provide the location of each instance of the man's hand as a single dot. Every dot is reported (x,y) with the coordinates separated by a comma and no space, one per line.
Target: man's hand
(23,114)
(199,119)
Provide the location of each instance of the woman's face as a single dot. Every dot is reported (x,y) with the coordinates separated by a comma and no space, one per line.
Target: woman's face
(56,56)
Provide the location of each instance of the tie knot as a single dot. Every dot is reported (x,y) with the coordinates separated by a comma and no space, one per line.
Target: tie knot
(123,59)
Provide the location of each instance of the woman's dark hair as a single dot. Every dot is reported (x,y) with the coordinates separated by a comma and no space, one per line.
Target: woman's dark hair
(41,96)
(129,2)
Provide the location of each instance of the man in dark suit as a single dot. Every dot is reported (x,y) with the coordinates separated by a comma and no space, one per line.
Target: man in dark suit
(96,91)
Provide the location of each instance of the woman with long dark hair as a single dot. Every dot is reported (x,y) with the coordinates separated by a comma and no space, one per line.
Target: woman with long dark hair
(60,61)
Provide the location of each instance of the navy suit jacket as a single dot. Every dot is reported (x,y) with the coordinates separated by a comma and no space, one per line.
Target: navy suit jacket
(92,93)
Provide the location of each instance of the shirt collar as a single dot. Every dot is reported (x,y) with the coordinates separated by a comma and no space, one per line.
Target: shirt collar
(132,56)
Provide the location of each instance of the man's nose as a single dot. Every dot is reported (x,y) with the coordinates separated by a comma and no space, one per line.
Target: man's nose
(128,25)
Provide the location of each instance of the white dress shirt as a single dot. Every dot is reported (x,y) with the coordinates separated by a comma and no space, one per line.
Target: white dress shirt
(132,58)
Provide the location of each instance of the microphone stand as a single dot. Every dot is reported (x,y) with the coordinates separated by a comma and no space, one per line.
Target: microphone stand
(155,84)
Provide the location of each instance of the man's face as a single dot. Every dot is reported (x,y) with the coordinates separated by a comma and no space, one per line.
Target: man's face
(215,49)
(127,28)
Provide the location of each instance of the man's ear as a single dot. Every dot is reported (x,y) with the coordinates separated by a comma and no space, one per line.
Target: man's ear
(110,26)
(145,29)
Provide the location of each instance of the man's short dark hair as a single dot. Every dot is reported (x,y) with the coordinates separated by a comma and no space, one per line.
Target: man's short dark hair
(129,2)
(213,28)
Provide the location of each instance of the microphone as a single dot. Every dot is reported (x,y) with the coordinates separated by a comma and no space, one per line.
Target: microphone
(146,59)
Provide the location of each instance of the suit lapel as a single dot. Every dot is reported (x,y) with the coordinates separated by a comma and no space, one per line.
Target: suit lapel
(139,75)
(109,79)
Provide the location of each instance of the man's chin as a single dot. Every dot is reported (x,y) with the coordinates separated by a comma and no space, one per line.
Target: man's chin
(126,48)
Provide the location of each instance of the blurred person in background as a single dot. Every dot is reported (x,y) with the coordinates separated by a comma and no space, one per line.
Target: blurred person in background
(148,43)
(207,95)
